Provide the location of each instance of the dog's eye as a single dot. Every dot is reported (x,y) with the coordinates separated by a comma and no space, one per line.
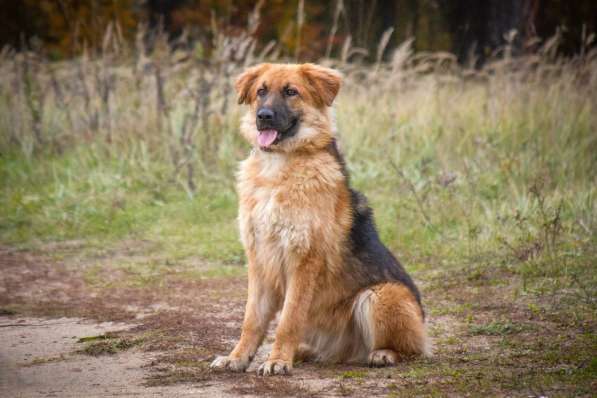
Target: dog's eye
(261,92)
(290,92)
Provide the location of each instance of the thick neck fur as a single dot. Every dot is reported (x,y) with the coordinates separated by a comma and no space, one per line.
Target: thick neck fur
(272,164)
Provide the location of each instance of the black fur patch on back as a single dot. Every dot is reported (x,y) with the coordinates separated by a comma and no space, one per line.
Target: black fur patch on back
(374,262)
(375,259)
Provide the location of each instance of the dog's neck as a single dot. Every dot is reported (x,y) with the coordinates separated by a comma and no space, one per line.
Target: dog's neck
(272,163)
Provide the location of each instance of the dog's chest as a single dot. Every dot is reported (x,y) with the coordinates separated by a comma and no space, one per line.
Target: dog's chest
(278,225)
(275,219)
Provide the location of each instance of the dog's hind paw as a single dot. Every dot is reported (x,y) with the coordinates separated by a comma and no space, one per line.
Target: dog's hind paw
(227,363)
(275,367)
(380,358)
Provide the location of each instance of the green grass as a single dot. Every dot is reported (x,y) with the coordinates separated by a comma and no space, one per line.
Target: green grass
(353,374)
(104,200)
(496,328)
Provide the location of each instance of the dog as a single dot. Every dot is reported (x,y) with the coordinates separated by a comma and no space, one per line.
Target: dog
(313,251)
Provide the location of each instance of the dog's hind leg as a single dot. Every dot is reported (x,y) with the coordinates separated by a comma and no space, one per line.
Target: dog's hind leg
(391,324)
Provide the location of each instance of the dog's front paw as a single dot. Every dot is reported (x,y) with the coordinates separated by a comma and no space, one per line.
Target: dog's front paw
(275,367)
(227,363)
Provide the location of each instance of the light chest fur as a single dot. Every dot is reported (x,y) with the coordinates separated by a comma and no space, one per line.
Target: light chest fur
(287,207)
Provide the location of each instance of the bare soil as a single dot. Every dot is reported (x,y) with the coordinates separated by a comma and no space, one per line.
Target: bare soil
(88,328)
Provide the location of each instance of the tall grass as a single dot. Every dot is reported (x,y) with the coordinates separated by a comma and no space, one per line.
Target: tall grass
(464,167)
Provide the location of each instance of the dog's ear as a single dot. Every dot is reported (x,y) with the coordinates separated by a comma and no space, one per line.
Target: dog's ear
(245,83)
(324,83)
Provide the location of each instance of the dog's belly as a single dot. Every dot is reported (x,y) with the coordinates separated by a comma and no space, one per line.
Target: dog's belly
(336,334)
(346,347)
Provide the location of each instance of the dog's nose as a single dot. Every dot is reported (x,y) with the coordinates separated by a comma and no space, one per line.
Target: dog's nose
(265,114)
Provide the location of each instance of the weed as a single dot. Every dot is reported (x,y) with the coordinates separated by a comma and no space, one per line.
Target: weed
(45,360)
(496,328)
(95,338)
(107,344)
(353,374)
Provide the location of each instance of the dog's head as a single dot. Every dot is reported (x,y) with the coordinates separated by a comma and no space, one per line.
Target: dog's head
(289,106)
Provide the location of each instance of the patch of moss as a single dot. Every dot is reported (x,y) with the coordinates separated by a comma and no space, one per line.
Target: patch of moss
(44,360)
(353,374)
(7,311)
(108,344)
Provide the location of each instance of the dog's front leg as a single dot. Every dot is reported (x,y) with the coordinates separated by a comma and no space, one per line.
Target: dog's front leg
(260,309)
(293,319)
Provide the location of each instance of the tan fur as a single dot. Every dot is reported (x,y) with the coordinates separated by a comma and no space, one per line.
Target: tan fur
(295,217)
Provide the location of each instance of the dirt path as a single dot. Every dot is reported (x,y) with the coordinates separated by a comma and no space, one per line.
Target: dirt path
(38,359)
(97,328)
(41,357)
(63,348)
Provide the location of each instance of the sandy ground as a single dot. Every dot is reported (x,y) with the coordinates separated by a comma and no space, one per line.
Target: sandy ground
(38,359)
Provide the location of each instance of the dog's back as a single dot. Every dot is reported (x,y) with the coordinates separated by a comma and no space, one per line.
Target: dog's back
(369,257)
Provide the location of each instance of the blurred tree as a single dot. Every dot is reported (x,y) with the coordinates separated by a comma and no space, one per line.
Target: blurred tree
(65,26)
(18,21)
(478,28)
(160,12)
(422,21)
(465,27)
(573,17)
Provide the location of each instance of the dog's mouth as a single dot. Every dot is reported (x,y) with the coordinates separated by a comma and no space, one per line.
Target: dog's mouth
(267,138)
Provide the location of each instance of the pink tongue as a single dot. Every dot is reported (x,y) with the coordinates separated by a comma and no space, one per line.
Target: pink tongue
(266,137)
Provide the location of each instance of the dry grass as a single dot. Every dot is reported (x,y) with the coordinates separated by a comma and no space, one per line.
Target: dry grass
(119,166)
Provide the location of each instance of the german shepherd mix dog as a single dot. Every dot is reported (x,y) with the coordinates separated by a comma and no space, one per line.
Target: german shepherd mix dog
(312,248)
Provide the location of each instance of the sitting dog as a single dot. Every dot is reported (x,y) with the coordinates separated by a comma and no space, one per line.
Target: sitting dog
(312,248)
